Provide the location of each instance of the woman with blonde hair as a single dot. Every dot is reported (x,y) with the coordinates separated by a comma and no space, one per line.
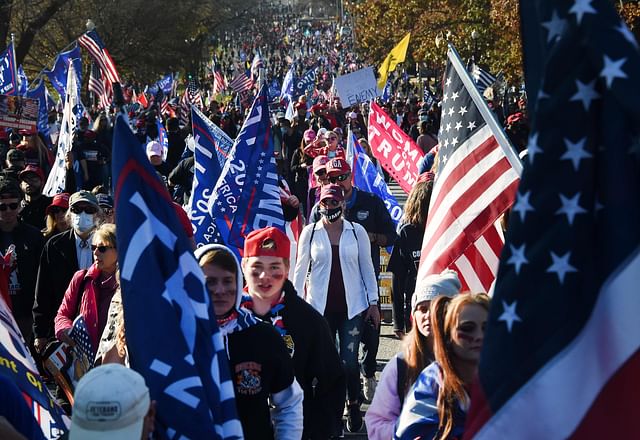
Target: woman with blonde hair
(436,406)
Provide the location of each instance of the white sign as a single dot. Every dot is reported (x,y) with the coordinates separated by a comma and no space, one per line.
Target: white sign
(359,86)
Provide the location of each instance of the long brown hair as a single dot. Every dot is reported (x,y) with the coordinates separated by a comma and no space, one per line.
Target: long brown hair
(444,313)
(417,206)
(417,355)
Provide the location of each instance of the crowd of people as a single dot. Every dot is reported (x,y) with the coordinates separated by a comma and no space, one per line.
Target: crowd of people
(293,324)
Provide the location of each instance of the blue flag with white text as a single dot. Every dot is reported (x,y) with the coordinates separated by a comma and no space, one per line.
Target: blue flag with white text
(179,350)
(306,82)
(260,204)
(287,85)
(58,75)
(39,93)
(8,79)
(212,146)
(387,92)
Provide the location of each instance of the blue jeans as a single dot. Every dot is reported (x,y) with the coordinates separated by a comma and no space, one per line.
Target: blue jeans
(349,335)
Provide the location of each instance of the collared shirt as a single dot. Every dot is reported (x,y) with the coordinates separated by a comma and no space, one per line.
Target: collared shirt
(83,250)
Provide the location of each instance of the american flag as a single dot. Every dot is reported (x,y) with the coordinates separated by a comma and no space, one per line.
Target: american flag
(93,44)
(80,336)
(256,65)
(562,347)
(100,87)
(240,83)
(477,176)
(219,82)
(481,77)
(191,96)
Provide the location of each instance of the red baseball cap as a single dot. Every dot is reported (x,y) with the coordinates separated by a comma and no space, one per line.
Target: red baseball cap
(338,166)
(267,242)
(32,169)
(332,191)
(320,162)
(61,200)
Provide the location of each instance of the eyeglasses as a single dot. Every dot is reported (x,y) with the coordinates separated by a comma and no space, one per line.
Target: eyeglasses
(86,209)
(12,206)
(102,249)
(340,178)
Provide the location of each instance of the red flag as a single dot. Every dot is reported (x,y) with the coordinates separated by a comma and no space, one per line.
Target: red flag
(142,99)
(396,151)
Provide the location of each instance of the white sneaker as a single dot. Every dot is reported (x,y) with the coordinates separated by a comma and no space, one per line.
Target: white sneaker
(369,387)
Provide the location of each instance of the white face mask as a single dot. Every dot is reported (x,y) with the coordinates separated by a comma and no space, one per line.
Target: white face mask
(82,222)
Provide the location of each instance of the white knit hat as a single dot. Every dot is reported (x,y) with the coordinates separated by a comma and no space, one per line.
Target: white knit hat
(446,283)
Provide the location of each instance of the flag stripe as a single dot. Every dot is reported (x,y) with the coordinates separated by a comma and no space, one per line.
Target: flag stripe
(467,275)
(456,212)
(618,303)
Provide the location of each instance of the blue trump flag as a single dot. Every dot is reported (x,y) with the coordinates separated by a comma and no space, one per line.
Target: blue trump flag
(39,93)
(259,205)
(212,146)
(8,79)
(58,75)
(165,84)
(172,334)
(287,85)
(367,177)
(222,206)
(162,139)
(306,82)
(387,92)
(23,82)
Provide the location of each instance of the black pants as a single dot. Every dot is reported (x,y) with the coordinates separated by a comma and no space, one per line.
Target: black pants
(370,342)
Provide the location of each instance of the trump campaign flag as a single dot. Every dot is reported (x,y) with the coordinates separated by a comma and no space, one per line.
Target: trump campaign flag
(171,328)
(396,151)
(212,146)
(477,173)
(259,205)
(8,72)
(306,82)
(60,72)
(39,92)
(562,340)
(222,206)
(20,368)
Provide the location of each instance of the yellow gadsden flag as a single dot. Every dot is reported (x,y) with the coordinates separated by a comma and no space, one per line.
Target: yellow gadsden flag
(395,57)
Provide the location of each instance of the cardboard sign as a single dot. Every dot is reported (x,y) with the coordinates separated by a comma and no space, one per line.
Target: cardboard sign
(18,112)
(359,86)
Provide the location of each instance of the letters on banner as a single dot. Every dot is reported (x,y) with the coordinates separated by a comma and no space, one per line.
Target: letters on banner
(395,150)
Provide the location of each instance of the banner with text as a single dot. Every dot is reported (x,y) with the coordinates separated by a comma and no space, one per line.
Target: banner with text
(395,150)
(356,87)
(18,112)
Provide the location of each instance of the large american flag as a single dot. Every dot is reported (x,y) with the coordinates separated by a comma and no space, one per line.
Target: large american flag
(219,82)
(100,86)
(477,176)
(99,53)
(561,353)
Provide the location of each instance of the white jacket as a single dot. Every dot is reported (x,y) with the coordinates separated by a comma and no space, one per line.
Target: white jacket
(360,284)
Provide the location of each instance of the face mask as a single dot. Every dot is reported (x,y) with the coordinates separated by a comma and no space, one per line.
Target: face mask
(82,222)
(332,214)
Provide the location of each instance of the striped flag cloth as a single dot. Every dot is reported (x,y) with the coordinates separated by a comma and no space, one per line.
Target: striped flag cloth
(99,53)
(240,83)
(219,82)
(481,77)
(101,88)
(477,177)
(561,353)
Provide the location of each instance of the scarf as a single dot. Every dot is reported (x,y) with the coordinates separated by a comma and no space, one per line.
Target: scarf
(236,321)
(274,315)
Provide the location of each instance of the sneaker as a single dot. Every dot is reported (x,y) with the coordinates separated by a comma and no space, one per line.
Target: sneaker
(354,419)
(369,387)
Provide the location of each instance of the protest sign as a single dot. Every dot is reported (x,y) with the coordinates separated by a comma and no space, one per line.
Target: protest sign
(359,86)
(18,112)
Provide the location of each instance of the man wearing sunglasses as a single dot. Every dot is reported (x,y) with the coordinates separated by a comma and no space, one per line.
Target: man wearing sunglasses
(21,245)
(63,255)
(370,211)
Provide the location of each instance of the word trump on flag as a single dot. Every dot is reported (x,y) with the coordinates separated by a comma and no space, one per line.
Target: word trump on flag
(396,151)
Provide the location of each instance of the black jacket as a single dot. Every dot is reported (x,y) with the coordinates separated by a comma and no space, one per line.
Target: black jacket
(317,366)
(34,213)
(58,263)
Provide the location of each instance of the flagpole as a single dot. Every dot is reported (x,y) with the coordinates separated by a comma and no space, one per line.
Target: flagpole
(15,62)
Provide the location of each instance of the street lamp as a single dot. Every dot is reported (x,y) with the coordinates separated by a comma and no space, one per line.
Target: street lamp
(90,25)
(474,36)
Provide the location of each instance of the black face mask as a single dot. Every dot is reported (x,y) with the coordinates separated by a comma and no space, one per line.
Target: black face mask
(332,214)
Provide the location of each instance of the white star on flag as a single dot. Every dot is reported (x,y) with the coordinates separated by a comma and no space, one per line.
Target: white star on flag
(533,148)
(612,69)
(555,26)
(522,205)
(586,93)
(626,34)
(517,257)
(575,152)
(561,265)
(509,315)
(570,207)
(581,7)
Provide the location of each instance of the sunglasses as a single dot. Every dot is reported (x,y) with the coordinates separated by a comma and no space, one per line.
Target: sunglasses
(86,209)
(101,249)
(12,206)
(340,178)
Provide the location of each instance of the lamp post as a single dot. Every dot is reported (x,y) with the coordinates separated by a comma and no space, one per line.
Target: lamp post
(474,36)
(90,25)
(440,39)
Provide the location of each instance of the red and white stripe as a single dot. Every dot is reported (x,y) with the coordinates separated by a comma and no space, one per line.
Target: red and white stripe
(474,187)
(591,389)
(100,56)
(240,83)
(102,89)
(219,83)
